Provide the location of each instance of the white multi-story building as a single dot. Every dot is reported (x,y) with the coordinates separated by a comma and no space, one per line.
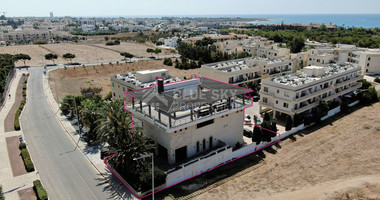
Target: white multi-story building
(369,61)
(122,83)
(171,42)
(246,70)
(26,36)
(186,119)
(301,92)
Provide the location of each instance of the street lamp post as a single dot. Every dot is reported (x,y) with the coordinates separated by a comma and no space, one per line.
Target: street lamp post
(145,156)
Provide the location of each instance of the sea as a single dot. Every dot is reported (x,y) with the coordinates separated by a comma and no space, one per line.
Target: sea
(346,20)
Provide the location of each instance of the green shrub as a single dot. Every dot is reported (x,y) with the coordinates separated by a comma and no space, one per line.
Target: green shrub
(377,80)
(22,146)
(17,123)
(40,190)
(24,93)
(27,161)
(24,87)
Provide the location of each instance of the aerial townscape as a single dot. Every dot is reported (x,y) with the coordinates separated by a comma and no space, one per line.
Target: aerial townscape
(190,100)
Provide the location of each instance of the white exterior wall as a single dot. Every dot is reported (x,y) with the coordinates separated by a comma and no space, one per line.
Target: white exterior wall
(118,90)
(370,62)
(228,129)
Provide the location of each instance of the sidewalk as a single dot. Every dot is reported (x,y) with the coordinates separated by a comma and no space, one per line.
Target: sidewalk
(91,153)
(11,185)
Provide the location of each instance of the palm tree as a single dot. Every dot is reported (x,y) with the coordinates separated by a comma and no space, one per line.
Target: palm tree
(115,128)
(89,115)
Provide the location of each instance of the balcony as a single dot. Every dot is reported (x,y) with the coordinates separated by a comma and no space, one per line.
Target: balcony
(183,119)
(243,80)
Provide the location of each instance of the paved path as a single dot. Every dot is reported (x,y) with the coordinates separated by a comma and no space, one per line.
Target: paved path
(9,120)
(65,172)
(15,158)
(11,185)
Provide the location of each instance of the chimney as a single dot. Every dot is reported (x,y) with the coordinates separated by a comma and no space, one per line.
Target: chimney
(160,86)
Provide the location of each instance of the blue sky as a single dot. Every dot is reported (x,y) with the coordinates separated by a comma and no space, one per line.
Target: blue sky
(182,7)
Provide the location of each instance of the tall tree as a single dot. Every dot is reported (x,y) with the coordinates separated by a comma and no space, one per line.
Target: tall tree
(151,51)
(257,135)
(90,115)
(127,55)
(22,57)
(51,56)
(289,123)
(297,44)
(69,56)
(157,51)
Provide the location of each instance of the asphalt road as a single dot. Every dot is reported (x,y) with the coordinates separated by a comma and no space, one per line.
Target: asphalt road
(65,173)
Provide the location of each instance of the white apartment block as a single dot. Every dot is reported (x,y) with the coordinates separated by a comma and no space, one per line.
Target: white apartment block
(246,70)
(301,92)
(369,61)
(17,37)
(266,49)
(122,83)
(171,42)
(190,118)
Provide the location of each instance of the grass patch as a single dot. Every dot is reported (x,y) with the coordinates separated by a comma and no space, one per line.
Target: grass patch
(26,158)
(40,190)
(22,104)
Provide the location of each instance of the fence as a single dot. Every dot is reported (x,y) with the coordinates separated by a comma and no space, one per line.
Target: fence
(7,82)
(198,167)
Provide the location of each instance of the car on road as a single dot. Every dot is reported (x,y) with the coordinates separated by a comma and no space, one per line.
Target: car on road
(247,132)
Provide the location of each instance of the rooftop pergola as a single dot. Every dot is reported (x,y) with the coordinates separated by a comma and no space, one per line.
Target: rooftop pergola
(211,97)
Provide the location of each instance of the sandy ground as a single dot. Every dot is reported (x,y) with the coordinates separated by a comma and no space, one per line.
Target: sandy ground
(71,80)
(87,52)
(338,159)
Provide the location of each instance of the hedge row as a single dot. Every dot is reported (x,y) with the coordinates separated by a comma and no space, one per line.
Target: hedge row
(22,104)
(40,190)
(26,157)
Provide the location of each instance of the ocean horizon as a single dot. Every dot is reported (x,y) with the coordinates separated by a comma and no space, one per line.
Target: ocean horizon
(346,20)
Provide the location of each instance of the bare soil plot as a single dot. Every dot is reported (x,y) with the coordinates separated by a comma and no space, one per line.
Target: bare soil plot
(36,53)
(70,81)
(343,147)
(84,53)
(136,49)
(87,52)
(15,158)
(27,194)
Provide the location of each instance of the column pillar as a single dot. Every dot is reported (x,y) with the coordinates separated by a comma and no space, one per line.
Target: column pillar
(191,115)
(133,103)
(171,156)
(141,106)
(150,111)
(170,120)
(159,115)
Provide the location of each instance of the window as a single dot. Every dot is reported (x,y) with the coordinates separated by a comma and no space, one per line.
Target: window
(200,125)
(276,102)
(265,100)
(286,105)
(114,94)
(278,91)
(204,144)
(210,142)
(367,64)
(198,147)
(369,58)
(265,89)
(113,84)
(286,94)
(123,89)
(318,60)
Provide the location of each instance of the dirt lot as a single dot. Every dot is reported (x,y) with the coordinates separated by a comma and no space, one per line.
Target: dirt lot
(88,52)
(337,159)
(70,81)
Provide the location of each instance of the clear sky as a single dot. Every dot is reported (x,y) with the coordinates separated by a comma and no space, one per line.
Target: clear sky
(185,7)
